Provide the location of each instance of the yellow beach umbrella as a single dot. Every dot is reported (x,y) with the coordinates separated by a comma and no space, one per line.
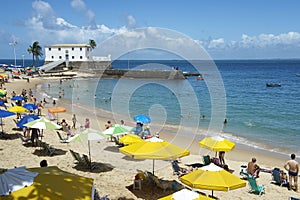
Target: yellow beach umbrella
(186,195)
(54,183)
(212,177)
(130,139)
(17,109)
(217,144)
(154,150)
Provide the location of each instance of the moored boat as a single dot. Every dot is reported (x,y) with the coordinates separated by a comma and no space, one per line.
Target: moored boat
(273,85)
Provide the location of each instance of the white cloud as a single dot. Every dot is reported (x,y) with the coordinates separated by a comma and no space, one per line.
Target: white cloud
(131,21)
(48,29)
(79,5)
(216,43)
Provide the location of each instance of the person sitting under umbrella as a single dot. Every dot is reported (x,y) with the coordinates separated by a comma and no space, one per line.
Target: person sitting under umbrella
(64,125)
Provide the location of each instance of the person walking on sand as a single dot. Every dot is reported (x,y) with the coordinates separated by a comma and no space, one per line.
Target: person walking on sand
(74,120)
(292,167)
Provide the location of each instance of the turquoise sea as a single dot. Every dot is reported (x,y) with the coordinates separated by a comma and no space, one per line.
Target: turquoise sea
(260,116)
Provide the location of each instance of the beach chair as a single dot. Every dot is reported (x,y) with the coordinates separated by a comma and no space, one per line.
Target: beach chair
(48,149)
(68,131)
(150,176)
(117,142)
(51,117)
(76,156)
(61,139)
(177,170)
(294,198)
(88,162)
(23,139)
(254,188)
(164,185)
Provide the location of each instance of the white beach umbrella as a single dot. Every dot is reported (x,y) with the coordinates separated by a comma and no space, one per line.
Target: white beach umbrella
(154,139)
(43,123)
(88,135)
(15,179)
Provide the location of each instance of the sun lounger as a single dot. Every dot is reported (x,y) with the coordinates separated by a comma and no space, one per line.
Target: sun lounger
(51,117)
(88,162)
(254,188)
(23,139)
(164,185)
(50,150)
(294,198)
(177,170)
(76,156)
(61,139)
(82,160)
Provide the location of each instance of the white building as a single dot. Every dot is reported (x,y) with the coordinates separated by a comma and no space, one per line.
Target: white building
(72,53)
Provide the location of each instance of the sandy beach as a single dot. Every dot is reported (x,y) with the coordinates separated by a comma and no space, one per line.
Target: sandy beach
(115,173)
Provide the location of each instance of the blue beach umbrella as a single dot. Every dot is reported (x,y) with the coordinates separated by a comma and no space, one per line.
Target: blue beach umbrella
(26,119)
(17,98)
(142,118)
(30,106)
(3,114)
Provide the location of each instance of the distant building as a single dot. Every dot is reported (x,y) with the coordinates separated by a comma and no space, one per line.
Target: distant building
(73,56)
(72,53)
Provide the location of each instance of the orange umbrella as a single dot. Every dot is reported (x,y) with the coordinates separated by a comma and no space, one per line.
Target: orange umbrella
(57,110)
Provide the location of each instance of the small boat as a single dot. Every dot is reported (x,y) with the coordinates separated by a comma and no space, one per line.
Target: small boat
(273,85)
(199,78)
(297,74)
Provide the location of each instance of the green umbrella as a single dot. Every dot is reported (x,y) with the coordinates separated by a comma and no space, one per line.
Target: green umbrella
(115,130)
(87,135)
(43,123)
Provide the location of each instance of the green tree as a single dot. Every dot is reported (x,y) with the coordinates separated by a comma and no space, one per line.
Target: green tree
(92,44)
(36,50)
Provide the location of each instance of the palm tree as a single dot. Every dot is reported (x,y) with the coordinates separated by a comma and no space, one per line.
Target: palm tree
(92,44)
(36,50)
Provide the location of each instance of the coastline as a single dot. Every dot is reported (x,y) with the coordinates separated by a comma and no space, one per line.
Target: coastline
(117,171)
(100,116)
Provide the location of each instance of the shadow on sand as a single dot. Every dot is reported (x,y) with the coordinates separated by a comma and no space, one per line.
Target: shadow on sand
(99,167)
(43,152)
(151,192)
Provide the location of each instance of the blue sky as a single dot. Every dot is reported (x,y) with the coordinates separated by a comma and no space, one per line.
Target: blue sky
(232,29)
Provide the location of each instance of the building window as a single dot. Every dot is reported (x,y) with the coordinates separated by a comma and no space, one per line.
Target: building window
(59,57)
(59,49)
(52,57)
(80,49)
(72,48)
(73,57)
(49,49)
(80,57)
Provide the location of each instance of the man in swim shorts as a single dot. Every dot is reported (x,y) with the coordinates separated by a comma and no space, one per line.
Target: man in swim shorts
(293,169)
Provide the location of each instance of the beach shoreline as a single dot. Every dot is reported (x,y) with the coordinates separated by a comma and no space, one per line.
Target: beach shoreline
(168,131)
(116,179)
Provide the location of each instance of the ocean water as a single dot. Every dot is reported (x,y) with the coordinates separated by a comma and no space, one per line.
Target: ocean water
(256,115)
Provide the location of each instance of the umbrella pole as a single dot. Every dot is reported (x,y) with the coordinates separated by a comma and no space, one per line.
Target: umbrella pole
(89,151)
(153,167)
(2,125)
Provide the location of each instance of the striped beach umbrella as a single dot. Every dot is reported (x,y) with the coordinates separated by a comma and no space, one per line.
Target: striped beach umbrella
(43,123)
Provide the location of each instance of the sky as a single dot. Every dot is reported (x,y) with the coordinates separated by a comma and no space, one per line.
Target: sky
(233,29)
